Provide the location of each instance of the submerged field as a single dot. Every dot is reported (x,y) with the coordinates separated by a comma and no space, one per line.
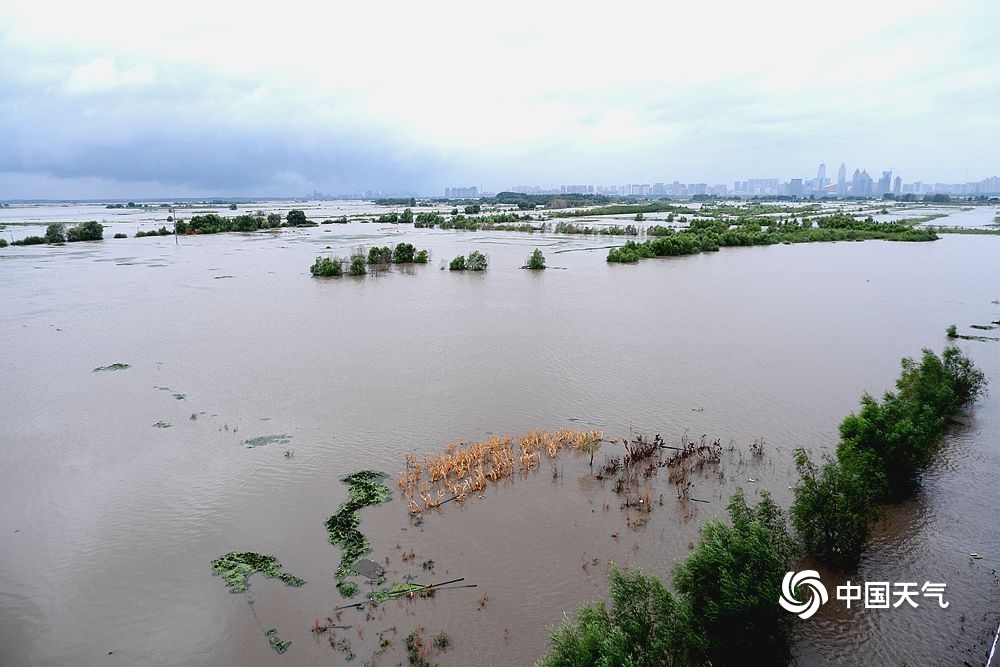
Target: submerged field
(111,525)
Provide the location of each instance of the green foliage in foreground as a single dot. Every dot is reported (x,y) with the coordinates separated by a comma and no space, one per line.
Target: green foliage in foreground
(236,568)
(457,264)
(3,243)
(326,267)
(834,509)
(883,450)
(724,609)
(646,625)
(732,581)
(365,489)
(536,261)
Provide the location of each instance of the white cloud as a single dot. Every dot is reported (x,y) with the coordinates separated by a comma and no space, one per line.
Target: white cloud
(101,75)
(644,90)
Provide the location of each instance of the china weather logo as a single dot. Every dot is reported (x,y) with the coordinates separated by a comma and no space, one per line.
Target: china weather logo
(807,579)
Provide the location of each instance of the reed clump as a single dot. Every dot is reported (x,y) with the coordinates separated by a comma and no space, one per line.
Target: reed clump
(464,469)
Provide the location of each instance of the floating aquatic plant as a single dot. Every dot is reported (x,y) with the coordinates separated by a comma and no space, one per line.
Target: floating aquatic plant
(112,367)
(275,641)
(236,567)
(262,440)
(348,589)
(162,424)
(365,489)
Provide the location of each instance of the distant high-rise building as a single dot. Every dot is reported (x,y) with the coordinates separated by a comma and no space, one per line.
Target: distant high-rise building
(795,187)
(885,183)
(861,183)
(897,185)
(820,178)
(471,191)
(842,179)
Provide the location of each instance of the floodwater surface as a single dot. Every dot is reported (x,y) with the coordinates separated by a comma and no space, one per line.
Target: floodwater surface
(110,524)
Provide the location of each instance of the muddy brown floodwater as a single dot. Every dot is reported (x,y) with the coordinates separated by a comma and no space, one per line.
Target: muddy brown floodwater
(110,525)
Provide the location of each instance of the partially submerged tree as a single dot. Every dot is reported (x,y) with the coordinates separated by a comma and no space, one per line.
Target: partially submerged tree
(536,261)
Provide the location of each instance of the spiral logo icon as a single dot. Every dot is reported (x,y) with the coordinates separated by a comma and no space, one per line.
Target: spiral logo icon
(817,593)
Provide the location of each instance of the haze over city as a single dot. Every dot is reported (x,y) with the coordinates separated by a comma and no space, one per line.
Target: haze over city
(115,99)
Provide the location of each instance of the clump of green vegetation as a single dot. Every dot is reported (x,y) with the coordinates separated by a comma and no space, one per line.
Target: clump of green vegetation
(724,608)
(261,440)
(275,641)
(419,652)
(536,262)
(952,332)
(406,253)
(162,424)
(325,267)
(457,264)
(365,489)
(379,255)
(609,230)
(882,451)
(121,235)
(834,509)
(3,243)
(86,231)
(112,367)
(442,641)
(30,240)
(237,567)
(476,261)
(55,233)
(708,235)
(162,231)
(348,589)
(357,267)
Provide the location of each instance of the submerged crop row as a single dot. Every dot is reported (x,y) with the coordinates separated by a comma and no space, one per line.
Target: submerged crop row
(463,469)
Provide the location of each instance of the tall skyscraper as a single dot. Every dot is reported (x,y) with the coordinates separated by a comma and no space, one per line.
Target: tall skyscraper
(885,183)
(842,180)
(897,185)
(820,178)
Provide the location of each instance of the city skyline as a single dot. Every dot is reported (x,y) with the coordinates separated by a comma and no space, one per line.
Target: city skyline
(123,100)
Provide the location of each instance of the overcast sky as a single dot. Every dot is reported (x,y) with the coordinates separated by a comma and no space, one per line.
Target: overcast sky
(137,99)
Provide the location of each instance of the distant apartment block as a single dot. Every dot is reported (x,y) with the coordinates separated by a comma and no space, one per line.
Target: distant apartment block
(469,192)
